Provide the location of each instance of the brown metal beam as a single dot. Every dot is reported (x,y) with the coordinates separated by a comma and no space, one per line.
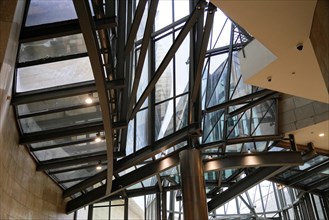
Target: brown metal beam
(88,30)
(265,159)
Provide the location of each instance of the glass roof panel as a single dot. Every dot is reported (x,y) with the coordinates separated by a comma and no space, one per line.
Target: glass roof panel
(314,161)
(54,47)
(76,174)
(313,179)
(69,184)
(324,187)
(43,12)
(53,74)
(73,150)
(149,181)
(136,186)
(61,119)
(65,140)
(54,104)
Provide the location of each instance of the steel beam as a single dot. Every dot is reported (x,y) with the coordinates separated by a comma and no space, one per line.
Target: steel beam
(243,185)
(253,103)
(155,148)
(59,29)
(84,167)
(138,157)
(308,173)
(70,161)
(134,27)
(265,159)
(88,29)
(84,184)
(62,92)
(51,134)
(52,111)
(202,52)
(142,54)
(124,182)
(174,47)
(238,101)
(239,140)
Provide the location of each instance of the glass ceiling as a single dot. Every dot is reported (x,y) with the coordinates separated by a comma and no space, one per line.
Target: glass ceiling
(151,72)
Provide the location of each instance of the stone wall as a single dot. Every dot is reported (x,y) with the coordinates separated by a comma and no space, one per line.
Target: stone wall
(319,37)
(296,113)
(24,193)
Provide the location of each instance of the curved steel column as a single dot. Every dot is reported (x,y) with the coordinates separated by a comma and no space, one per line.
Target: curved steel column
(193,185)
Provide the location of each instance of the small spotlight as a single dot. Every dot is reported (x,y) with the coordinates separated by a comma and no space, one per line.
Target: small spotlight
(89,99)
(249,151)
(98,138)
(99,166)
(321,135)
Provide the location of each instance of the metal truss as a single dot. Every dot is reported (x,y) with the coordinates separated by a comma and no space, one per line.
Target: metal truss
(232,124)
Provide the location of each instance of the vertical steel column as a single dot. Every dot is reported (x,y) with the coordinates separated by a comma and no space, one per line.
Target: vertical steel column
(193,185)
(309,207)
(325,205)
(164,205)
(158,205)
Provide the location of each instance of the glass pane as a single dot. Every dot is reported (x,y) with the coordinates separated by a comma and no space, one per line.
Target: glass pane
(149,182)
(142,129)
(73,150)
(164,86)
(316,160)
(100,213)
(163,119)
(54,47)
(65,140)
(161,48)
(117,212)
(136,208)
(143,80)
(217,88)
(181,112)
(53,74)
(52,104)
(182,9)
(61,119)
(42,12)
(164,14)
(76,174)
(182,66)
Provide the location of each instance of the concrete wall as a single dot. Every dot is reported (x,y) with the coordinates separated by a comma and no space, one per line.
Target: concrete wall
(24,193)
(296,113)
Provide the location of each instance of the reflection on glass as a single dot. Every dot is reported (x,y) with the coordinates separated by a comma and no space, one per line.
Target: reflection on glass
(142,127)
(54,47)
(53,74)
(163,119)
(181,111)
(43,12)
(61,119)
(164,14)
(73,150)
(53,104)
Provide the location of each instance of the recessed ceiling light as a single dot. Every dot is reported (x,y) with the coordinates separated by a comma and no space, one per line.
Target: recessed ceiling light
(89,99)
(321,135)
(99,165)
(98,138)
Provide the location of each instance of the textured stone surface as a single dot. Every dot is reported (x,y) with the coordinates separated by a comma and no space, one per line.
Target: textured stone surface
(296,113)
(319,37)
(24,193)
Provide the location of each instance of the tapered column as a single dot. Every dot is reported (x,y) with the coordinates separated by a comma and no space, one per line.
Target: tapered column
(193,185)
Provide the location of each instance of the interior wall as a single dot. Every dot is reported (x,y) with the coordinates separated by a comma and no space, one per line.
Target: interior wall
(24,193)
